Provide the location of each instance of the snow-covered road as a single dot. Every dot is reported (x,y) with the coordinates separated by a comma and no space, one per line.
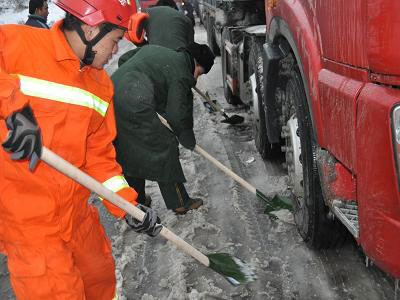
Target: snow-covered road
(232,220)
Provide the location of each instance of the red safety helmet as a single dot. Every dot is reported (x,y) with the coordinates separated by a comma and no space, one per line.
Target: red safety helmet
(96,12)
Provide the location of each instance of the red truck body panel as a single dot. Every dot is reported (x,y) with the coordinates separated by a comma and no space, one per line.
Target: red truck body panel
(383,42)
(338,109)
(342,26)
(377,184)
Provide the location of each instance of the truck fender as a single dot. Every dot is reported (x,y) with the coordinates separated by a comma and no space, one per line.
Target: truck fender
(279,28)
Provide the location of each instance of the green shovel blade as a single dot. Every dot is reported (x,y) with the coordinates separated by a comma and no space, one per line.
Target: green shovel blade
(232,268)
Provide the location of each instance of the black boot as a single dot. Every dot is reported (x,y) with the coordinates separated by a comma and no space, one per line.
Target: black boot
(193,203)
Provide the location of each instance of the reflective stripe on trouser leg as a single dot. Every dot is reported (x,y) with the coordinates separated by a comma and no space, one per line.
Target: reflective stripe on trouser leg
(174,194)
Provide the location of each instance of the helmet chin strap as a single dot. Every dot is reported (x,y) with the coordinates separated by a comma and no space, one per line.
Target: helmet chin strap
(89,55)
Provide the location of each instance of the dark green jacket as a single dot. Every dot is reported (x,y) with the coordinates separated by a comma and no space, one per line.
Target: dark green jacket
(169,28)
(155,79)
(166,27)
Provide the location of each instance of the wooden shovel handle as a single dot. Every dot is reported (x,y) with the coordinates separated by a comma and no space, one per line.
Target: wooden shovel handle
(212,104)
(219,165)
(227,171)
(84,179)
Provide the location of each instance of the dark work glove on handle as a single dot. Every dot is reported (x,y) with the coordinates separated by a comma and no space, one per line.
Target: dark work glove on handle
(187,139)
(150,224)
(24,136)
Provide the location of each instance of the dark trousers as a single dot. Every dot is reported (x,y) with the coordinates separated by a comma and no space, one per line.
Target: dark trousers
(174,193)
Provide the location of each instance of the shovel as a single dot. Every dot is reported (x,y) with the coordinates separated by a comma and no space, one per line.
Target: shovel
(233,120)
(275,203)
(232,268)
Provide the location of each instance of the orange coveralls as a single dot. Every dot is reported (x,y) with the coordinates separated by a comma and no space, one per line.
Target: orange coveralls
(56,247)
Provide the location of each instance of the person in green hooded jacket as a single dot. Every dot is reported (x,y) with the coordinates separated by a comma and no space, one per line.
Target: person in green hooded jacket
(158,80)
(167,27)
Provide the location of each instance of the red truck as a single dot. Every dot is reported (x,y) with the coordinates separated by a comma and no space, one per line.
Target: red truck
(323,80)
(147,3)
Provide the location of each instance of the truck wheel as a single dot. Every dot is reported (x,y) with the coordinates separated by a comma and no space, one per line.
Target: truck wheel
(310,212)
(230,98)
(264,147)
(211,40)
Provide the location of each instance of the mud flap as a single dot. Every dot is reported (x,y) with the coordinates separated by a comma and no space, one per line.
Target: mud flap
(272,54)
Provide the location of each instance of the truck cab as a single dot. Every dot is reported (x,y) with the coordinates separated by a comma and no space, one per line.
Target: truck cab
(323,81)
(332,78)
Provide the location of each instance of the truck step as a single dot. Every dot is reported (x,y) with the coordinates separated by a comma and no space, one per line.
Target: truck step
(347,212)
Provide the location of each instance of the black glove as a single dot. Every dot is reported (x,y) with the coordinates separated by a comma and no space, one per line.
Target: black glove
(187,139)
(150,224)
(24,136)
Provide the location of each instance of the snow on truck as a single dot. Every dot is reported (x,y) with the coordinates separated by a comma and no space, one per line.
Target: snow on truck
(323,80)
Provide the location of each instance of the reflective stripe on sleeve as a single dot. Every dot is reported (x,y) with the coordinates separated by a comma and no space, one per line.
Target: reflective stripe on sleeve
(116,296)
(63,93)
(116,183)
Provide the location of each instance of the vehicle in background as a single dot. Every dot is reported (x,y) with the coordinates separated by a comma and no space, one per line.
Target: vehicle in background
(196,7)
(201,9)
(323,80)
(232,25)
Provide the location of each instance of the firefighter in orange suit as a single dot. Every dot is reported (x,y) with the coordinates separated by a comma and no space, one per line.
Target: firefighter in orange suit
(54,91)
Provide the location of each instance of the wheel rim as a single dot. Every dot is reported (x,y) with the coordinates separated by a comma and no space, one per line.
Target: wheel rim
(295,171)
(292,149)
(293,156)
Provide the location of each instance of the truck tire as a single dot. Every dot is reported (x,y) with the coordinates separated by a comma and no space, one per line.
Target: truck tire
(211,40)
(311,214)
(230,98)
(264,147)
